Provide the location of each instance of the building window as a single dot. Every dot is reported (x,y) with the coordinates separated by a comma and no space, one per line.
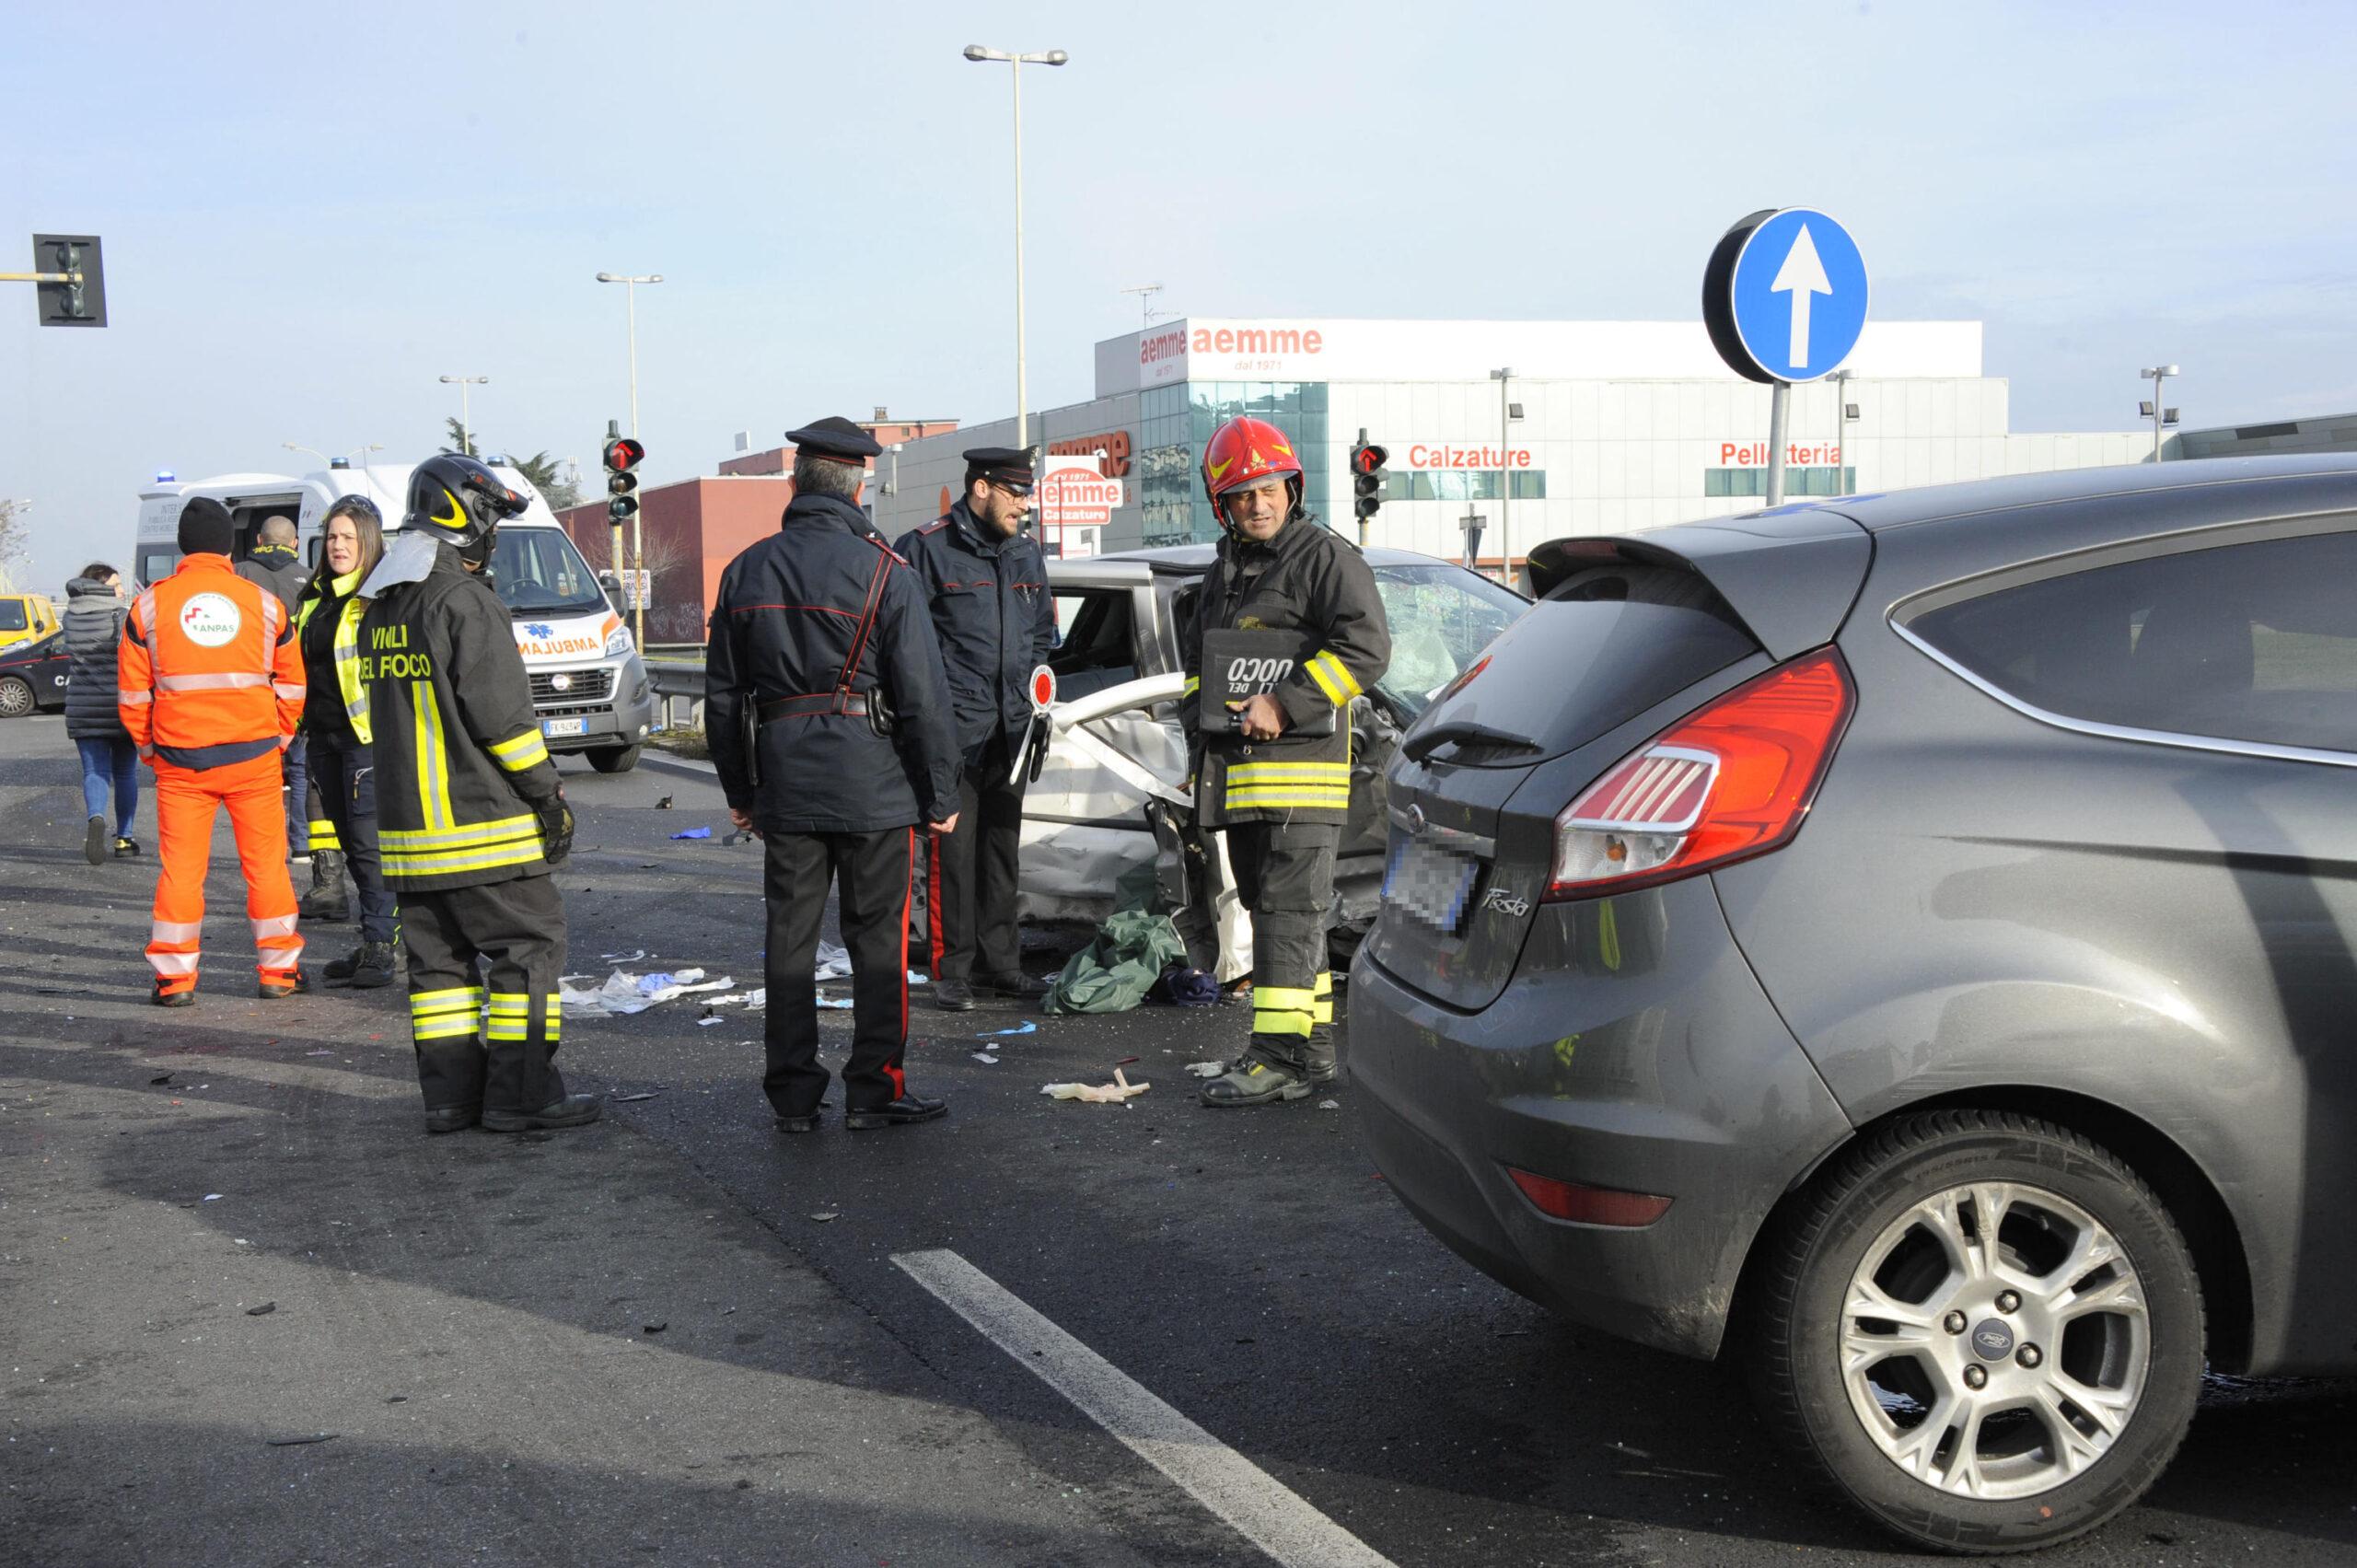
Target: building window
(1464,485)
(1176,423)
(1718,482)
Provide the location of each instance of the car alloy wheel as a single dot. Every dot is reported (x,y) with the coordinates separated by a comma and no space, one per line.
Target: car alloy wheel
(15,698)
(1984,1328)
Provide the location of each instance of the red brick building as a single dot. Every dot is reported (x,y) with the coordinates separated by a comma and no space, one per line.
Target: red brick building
(694,528)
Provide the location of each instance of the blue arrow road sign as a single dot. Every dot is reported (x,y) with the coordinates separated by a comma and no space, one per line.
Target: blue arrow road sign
(1799,294)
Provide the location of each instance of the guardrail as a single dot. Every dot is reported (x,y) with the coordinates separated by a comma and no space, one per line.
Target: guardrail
(678,679)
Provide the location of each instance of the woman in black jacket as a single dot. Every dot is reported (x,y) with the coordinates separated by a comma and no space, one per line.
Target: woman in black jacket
(94,611)
(335,727)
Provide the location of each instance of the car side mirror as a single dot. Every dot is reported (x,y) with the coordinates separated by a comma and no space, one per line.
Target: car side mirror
(613,584)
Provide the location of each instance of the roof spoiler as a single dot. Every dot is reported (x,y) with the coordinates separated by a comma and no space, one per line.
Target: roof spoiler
(1790,575)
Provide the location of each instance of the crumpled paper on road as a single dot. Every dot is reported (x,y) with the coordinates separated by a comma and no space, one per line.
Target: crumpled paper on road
(624,992)
(1114,1093)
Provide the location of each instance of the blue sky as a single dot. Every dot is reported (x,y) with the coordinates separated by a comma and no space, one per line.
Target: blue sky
(309,217)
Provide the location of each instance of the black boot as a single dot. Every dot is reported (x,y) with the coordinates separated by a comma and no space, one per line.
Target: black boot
(326,900)
(953,996)
(573,1110)
(365,968)
(1255,1081)
(900,1113)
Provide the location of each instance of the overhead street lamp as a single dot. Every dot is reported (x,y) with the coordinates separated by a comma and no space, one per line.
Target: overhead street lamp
(1017,62)
(637,519)
(346,459)
(2160,415)
(629,294)
(466,422)
(1507,413)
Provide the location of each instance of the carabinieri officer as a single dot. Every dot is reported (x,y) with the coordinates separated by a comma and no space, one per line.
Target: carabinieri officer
(986,585)
(829,726)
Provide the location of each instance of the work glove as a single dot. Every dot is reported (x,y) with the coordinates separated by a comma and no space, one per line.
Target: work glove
(556,828)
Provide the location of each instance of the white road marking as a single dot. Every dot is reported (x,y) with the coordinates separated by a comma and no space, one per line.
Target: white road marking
(1271,1516)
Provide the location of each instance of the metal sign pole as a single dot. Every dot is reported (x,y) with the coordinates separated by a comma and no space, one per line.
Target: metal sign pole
(1780,403)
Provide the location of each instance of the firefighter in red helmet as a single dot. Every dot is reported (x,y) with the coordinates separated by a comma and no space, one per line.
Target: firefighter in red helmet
(1289,630)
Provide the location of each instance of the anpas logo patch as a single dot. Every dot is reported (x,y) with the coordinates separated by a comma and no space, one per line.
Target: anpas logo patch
(210,620)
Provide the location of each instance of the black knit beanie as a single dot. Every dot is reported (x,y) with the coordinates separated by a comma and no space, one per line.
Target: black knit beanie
(206,527)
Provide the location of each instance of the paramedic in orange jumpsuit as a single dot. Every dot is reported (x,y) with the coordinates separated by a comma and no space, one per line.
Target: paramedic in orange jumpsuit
(210,685)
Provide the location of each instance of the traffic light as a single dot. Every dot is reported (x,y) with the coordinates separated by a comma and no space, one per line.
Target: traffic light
(1367,477)
(624,454)
(71,289)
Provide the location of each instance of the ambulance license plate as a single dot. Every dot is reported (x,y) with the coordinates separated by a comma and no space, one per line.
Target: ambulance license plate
(1429,883)
(554,727)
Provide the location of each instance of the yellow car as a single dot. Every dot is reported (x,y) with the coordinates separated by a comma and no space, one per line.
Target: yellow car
(26,618)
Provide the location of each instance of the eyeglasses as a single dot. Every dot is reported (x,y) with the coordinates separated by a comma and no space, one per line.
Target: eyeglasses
(1014,489)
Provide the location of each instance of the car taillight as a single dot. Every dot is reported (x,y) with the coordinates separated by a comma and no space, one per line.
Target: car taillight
(1588,1205)
(1731,780)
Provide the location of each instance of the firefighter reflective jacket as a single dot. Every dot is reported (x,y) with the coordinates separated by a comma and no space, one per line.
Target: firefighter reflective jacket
(337,702)
(461,769)
(1307,579)
(207,673)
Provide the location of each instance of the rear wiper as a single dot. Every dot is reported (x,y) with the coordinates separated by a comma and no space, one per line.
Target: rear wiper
(1419,746)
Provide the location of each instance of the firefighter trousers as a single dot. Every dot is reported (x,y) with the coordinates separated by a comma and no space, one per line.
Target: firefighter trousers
(970,896)
(483,1013)
(1285,873)
(871,871)
(186,802)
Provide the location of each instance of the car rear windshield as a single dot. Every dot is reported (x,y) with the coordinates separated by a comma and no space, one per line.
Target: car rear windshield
(2253,642)
(12,615)
(1603,646)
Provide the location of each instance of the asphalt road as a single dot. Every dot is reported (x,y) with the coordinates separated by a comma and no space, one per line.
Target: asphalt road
(475,1317)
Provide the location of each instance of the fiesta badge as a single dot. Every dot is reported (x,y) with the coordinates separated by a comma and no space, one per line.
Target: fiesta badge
(210,620)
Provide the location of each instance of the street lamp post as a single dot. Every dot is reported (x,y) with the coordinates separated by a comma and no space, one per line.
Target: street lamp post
(346,458)
(2154,410)
(1844,410)
(637,519)
(466,420)
(1506,479)
(1051,57)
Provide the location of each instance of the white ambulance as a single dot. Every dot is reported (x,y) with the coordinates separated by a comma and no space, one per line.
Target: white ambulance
(588,684)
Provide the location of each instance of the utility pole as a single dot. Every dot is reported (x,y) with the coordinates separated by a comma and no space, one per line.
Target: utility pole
(1016,62)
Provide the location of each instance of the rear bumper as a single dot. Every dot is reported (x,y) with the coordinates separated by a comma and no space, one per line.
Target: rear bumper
(1667,1071)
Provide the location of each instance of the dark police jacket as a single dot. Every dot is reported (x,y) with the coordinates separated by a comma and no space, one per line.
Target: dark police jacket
(785,666)
(460,764)
(1307,579)
(995,619)
(93,629)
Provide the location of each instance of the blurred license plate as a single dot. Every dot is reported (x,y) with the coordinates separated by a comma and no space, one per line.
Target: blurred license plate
(1429,883)
(553,728)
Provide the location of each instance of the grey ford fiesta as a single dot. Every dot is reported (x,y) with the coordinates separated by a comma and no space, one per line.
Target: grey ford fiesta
(1904,945)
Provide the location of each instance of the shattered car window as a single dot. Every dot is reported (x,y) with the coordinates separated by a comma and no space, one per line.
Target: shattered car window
(1442,617)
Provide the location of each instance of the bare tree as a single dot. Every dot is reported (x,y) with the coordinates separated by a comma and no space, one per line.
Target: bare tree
(14,534)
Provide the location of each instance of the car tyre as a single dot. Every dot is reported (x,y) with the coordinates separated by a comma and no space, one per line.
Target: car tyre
(614,759)
(16,697)
(1886,1405)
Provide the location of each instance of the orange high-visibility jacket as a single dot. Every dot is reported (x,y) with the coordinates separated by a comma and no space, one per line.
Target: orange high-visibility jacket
(209,670)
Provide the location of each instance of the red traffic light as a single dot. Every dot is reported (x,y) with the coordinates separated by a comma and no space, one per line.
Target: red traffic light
(1369,458)
(622,454)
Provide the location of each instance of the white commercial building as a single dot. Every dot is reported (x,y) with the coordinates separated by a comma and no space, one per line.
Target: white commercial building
(1602,426)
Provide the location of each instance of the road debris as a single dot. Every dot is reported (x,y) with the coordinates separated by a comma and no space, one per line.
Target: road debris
(655,1328)
(1329,1105)
(643,1094)
(827,1216)
(1028,1028)
(1115,1093)
(264,1310)
(986,1059)
(664,803)
(694,833)
(624,992)
(1206,1069)
(296,1442)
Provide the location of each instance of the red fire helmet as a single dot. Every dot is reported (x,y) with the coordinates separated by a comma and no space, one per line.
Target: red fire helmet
(1244,451)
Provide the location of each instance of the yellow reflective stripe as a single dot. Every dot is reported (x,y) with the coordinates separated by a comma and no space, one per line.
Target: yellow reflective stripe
(432,765)
(455,838)
(455,996)
(1340,772)
(1194,684)
(1290,996)
(521,751)
(1339,800)
(441,1028)
(1281,1023)
(462,860)
(346,648)
(1337,673)
(1317,670)
(323,836)
(1322,1010)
